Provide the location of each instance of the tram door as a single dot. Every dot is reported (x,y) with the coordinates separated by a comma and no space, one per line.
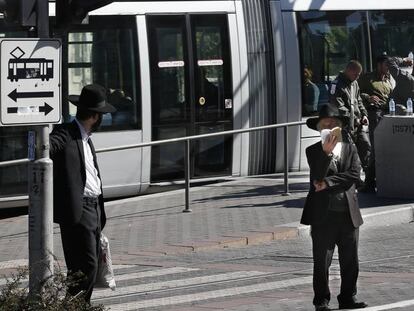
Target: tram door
(191,91)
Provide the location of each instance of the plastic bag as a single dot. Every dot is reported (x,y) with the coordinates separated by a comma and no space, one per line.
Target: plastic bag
(105,277)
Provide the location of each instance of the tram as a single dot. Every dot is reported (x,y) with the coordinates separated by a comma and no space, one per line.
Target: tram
(178,68)
(30,68)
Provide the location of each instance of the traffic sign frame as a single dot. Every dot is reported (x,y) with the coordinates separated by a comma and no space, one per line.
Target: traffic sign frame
(30,81)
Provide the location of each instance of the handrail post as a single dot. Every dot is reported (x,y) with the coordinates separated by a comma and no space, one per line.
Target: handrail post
(286,160)
(187,174)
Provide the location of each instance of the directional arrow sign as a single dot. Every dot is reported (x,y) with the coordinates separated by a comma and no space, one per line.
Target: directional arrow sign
(32,109)
(14,95)
(30,81)
(46,109)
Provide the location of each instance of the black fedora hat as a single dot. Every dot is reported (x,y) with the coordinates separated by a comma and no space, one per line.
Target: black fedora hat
(328,111)
(93,98)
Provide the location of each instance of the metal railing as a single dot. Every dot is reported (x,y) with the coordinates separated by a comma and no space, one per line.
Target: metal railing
(14,162)
(188,139)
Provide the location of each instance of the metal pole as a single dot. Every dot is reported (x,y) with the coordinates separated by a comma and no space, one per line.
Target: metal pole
(187,171)
(286,166)
(41,190)
(369,40)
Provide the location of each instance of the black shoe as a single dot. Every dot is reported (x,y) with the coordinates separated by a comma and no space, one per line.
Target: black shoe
(322,307)
(353,305)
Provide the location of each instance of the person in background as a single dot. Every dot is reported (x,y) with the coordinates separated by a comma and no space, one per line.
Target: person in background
(376,88)
(404,80)
(345,95)
(311,92)
(331,209)
(78,205)
(124,105)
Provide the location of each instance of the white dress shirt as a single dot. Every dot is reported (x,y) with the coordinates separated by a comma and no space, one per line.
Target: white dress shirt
(93,182)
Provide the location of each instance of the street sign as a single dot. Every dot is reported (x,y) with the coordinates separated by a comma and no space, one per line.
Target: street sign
(30,81)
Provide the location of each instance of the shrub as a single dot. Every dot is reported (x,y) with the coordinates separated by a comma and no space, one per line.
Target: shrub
(14,296)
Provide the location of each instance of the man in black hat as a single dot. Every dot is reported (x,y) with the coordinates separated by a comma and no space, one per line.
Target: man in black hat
(332,210)
(77,188)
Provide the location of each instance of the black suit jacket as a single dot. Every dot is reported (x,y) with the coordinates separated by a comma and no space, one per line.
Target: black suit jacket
(69,174)
(340,179)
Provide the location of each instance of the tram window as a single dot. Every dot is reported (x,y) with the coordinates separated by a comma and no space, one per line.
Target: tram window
(392,32)
(328,40)
(106,56)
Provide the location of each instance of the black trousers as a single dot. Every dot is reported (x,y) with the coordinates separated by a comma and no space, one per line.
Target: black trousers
(363,144)
(374,116)
(338,230)
(81,247)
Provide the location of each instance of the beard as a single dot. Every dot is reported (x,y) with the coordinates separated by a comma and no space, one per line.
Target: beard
(97,124)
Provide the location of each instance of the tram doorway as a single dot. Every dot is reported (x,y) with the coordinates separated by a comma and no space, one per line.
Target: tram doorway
(191,92)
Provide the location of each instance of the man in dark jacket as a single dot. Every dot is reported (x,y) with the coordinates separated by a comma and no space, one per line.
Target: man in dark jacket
(345,94)
(404,80)
(77,189)
(376,88)
(332,210)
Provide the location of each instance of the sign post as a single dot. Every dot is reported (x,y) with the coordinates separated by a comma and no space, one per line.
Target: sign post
(30,78)
(41,179)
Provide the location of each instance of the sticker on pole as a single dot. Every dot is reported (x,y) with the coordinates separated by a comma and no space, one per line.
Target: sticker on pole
(30,81)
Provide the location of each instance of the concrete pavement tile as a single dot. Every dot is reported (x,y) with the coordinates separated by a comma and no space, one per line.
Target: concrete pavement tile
(279,233)
(283,294)
(228,242)
(254,238)
(200,245)
(248,267)
(162,250)
(239,236)
(194,308)
(229,304)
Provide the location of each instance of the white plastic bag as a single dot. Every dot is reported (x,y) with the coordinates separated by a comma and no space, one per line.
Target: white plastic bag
(105,277)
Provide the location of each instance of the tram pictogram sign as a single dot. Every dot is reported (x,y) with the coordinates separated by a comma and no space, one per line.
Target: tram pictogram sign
(30,81)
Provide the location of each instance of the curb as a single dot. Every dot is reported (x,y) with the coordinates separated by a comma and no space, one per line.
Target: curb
(397,216)
(294,230)
(254,237)
(402,215)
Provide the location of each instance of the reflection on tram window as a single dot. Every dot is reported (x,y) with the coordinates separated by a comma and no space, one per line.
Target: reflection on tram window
(311,93)
(328,41)
(209,89)
(106,57)
(168,74)
(208,98)
(13,142)
(391,32)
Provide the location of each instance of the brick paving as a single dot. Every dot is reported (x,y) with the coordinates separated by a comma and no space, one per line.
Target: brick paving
(227,214)
(151,234)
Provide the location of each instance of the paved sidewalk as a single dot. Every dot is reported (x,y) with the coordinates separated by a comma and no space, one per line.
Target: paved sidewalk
(229,214)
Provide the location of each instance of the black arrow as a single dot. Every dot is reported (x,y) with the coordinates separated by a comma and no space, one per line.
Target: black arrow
(46,109)
(14,95)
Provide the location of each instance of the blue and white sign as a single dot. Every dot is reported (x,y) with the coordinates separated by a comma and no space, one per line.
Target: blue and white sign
(30,81)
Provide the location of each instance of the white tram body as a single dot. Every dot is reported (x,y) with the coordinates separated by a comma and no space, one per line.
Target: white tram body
(178,68)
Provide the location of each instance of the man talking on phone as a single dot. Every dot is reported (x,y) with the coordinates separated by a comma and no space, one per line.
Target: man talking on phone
(332,210)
